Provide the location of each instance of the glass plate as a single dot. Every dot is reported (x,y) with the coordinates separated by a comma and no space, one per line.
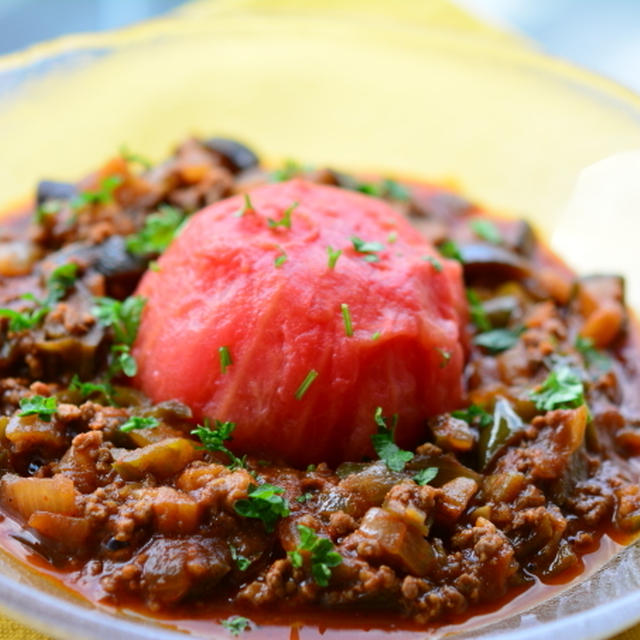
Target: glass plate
(404,88)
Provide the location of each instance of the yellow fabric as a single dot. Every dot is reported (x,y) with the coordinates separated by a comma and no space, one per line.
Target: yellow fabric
(435,14)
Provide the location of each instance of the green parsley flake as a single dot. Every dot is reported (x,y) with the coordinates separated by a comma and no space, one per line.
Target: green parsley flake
(346,317)
(322,554)
(435,263)
(368,248)
(392,237)
(123,317)
(592,356)
(425,476)
(247,206)
(225,359)
(445,357)
(139,422)
(376,335)
(39,406)
(305,497)
(154,266)
(384,445)
(474,415)
(158,232)
(62,278)
(562,389)
(449,249)
(214,439)
(334,254)
(280,260)
(122,361)
(486,230)
(285,221)
(265,503)
(395,190)
(498,340)
(235,625)
(242,562)
(478,314)
(306,383)
(46,209)
(23,320)
(290,170)
(102,195)
(134,158)
(87,389)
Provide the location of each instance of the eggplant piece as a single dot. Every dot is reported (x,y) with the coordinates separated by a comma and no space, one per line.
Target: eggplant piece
(52,190)
(493,263)
(521,238)
(444,206)
(235,155)
(507,424)
(501,310)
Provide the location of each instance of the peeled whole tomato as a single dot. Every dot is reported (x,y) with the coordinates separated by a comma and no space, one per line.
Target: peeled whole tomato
(220,284)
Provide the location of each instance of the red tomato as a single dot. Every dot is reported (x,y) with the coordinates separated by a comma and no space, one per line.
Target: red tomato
(220,285)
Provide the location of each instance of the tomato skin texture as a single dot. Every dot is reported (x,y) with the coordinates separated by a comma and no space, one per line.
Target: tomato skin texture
(218,285)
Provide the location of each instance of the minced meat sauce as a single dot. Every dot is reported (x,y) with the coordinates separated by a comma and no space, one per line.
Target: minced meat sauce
(151,507)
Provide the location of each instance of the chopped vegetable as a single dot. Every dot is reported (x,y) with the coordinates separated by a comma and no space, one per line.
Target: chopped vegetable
(247,206)
(486,230)
(235,625)
(28,495)
(306,383)
(241,561)
(562,389)
(305,497)
(498,340)
(506,423)
(346,317)
(323,555)
(368,248)
(478,314)
(122,317)
(437,265)
(134,158)
(265,503)
(214,439)
(445,356)
(593,357)
(122,361)
(157,233)
(102,195)
(280,260)
(22,321)
(425,476)
(139,422)
(290,170)
(383,443)
(87,389)
(474,415)
(450,249)
(61,279)
(39,406)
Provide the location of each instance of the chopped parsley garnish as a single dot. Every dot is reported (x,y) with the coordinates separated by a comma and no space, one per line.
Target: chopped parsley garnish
(157,233)
(40,406)
(305,497)
(214,439)
(290,169)
(450,249)
(123,317)
(154,266)
(395,190)
(285,221)
(334,254)
(247,206)
(592,356)
(562,389)
(474,415)
(134,158)
(486,230)
(498,340)
(280,260)
(102,195)
(235,625)
(376,335)
(242,562)
(425,476)
(322,552)
(62,278)
(122,361)
(306,383)
(368,248)
(265,503)
(312,467)
(139,422)
(445,357)
(388,451)
(346,317)
(46,209)
(392,237)
(478,314)
(437,265)
(23,320)
(87,389)
(225,358)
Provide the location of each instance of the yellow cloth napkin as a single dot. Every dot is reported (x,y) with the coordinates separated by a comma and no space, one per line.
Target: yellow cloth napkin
(434,13)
